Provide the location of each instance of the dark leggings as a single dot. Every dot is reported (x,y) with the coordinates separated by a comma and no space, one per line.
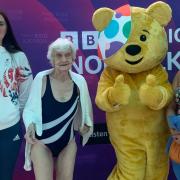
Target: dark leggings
(10,142)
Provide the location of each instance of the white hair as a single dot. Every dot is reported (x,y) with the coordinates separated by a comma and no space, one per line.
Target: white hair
(60,45)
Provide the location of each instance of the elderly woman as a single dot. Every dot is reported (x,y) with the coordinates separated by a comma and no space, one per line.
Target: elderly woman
(59,104)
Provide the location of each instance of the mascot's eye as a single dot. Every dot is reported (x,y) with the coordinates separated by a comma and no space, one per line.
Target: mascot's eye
(143,37)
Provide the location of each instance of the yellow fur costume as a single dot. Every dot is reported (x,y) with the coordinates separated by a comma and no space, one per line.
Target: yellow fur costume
(134,91)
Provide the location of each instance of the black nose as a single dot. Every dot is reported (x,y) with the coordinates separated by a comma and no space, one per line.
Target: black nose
(133,50)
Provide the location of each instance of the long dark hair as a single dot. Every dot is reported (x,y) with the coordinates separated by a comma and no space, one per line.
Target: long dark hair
(9,41)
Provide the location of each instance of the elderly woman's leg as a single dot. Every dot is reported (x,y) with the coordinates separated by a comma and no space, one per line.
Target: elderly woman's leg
(42,162)
(65,162)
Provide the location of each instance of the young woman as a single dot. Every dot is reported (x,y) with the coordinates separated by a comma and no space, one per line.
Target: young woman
(59,104)
(15,82)
(173,117)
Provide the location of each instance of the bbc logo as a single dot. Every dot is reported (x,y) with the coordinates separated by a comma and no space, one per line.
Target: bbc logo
(86,40)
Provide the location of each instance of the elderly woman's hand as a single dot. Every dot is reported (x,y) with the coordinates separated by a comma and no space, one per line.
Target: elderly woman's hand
(84,129)
(30,134)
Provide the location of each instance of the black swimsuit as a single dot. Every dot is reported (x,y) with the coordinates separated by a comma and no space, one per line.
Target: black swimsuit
(57,119)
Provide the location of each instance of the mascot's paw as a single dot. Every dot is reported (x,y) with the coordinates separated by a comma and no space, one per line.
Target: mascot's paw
(120,92)
(150,93)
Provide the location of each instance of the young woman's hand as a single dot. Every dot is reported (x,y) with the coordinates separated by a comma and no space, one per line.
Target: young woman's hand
(30,134)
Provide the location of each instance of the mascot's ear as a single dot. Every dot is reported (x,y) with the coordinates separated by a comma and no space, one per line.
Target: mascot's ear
(101,18)
(161,12)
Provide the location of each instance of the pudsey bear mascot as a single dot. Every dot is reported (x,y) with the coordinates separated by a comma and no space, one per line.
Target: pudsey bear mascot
(133,89)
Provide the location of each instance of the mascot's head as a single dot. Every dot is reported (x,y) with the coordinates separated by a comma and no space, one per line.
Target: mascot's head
(132,39)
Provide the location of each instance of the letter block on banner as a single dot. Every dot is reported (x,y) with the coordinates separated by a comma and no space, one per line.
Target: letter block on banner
(89,39)
(71,35)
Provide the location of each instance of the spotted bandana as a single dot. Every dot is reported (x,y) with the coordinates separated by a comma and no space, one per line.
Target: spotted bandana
(115,35)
